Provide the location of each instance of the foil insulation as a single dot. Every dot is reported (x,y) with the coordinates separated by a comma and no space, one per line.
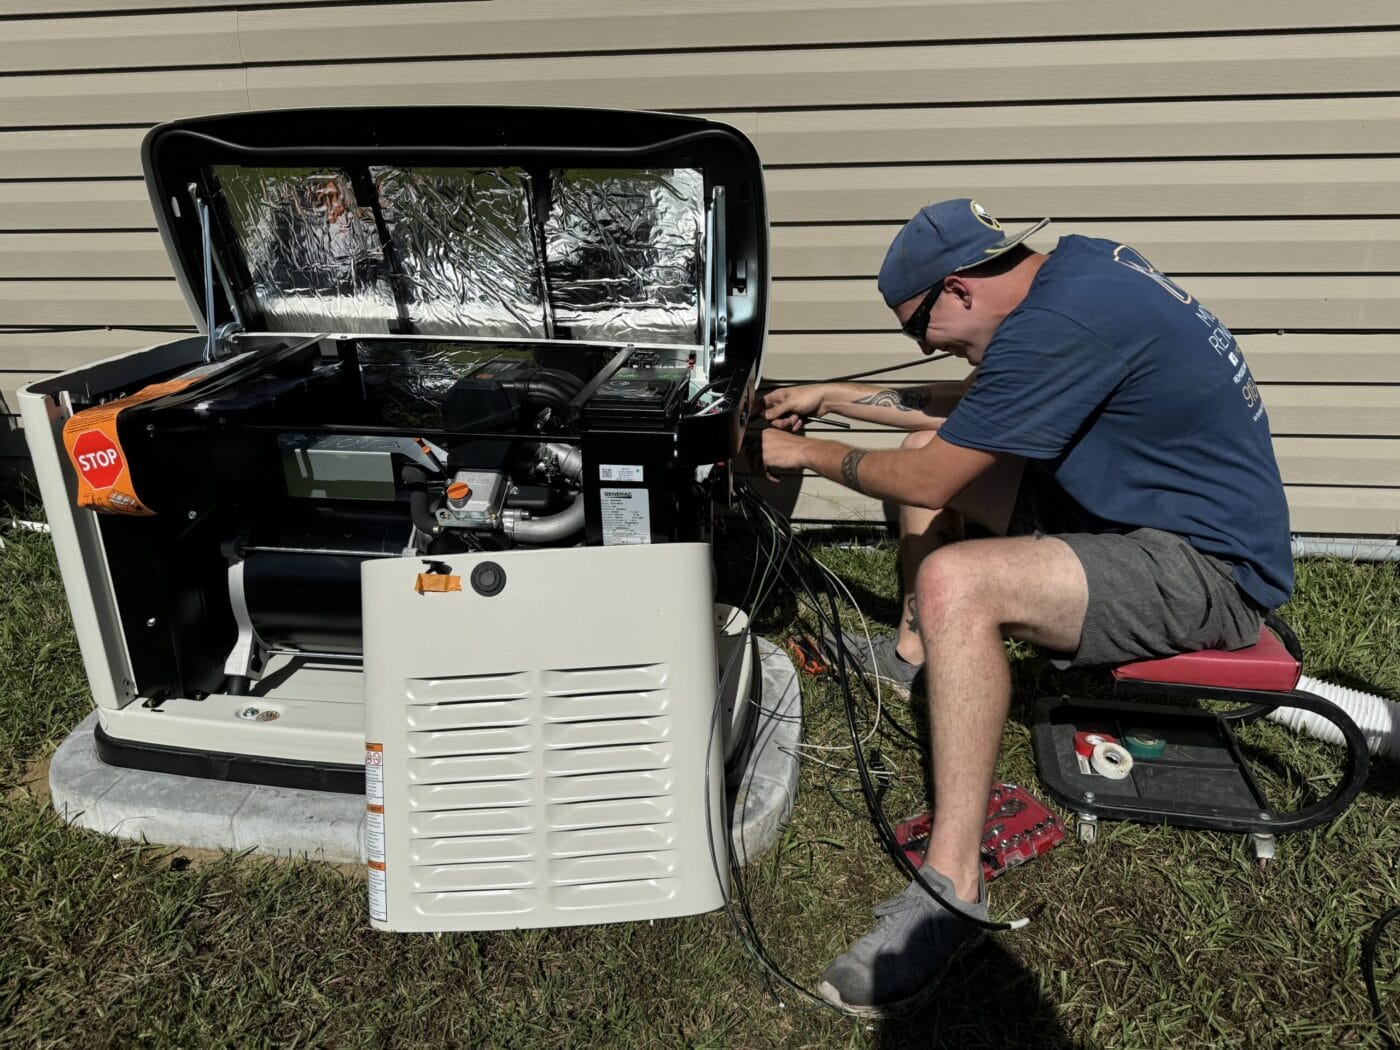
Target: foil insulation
(312,249)
(466,250)
(624,253)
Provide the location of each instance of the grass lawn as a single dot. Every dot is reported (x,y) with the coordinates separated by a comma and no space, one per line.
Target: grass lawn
(1150,938)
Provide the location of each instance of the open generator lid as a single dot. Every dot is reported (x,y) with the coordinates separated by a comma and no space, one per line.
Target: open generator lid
(497,222)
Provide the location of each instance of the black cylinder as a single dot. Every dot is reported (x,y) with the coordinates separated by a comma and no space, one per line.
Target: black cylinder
(308,597)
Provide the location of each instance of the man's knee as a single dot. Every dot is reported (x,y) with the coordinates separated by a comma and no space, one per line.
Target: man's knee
(948,584)
(1031,588)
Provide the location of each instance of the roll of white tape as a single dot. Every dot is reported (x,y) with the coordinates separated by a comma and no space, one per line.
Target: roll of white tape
(1111,760)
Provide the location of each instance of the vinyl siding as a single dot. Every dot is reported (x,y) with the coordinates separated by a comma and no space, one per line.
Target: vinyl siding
(1247,149)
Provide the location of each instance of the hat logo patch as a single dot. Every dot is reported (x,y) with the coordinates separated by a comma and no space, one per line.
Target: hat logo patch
(984,217)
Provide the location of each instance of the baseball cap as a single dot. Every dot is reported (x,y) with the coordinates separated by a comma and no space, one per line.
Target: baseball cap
(943,238)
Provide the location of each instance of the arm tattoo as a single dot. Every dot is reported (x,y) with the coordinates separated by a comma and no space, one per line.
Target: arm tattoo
(850,469)
(904,400)
(914,398)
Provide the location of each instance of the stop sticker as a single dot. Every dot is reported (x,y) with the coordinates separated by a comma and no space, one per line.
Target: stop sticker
(98,459)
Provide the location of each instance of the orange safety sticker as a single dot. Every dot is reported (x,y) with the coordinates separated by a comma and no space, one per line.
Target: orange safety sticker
(95,448)
(437,583)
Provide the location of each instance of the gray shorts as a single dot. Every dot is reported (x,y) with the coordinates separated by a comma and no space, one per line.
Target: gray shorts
(1150,592)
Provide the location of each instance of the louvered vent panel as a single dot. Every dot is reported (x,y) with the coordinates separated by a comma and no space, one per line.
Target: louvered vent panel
(543,767)
(472,792)
(618,718)
(597,815)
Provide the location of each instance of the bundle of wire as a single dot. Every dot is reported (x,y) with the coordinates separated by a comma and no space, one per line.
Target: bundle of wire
(782,560)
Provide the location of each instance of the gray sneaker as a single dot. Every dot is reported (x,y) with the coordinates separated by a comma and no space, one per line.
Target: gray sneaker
(878,658)
(895,967)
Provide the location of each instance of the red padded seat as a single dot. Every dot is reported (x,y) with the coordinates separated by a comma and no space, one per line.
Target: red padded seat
(1265,665)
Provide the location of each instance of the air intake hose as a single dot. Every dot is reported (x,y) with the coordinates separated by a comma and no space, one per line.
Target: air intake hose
(544,386)
(554,529)
(1376,717)
(420,498)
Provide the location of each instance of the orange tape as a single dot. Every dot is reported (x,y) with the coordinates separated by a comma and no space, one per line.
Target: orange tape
(437,583)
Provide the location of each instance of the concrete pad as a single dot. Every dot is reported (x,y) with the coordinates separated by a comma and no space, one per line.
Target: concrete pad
(767,789)
(321,825)
(181,811)
(191,811)
(78,778)
(215,814)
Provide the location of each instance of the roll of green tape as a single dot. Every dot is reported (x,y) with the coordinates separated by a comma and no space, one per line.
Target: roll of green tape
(1142,744)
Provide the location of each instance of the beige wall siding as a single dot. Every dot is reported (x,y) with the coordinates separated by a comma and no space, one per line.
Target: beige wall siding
(1248,149)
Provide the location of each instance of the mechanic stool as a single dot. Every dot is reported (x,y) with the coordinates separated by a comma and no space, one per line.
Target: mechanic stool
(1199,779)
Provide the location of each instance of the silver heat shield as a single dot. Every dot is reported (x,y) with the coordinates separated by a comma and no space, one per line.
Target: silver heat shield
(466,249)
(312,249)
(623,253)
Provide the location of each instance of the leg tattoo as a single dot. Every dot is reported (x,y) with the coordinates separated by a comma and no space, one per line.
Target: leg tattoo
(911,621)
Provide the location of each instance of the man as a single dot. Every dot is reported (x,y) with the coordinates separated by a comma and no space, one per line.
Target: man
(1113,439)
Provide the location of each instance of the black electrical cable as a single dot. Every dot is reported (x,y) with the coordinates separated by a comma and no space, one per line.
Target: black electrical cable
(1368,971)
(891,368)
(808,576)
(882,828)
(833,629)
(38,329)
(722,381)
(747,930)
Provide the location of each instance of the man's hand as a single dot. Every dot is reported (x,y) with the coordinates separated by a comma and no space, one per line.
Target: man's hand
(772,449)
(785,407)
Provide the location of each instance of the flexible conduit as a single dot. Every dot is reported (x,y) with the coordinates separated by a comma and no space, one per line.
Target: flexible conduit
(1376,717)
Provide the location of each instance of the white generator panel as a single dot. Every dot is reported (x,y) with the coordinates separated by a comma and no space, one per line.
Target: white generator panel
(543,739)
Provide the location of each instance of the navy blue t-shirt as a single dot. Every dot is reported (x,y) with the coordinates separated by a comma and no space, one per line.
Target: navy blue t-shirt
(1139,403)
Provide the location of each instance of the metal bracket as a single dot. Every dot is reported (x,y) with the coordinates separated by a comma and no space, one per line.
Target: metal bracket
(206,247)
(720,274)
(245,659)
(226,338)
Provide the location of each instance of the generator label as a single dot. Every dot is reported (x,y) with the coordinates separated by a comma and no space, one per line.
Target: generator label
(374,833)
(626,515)
(378,892)
(617,472)
(374,774)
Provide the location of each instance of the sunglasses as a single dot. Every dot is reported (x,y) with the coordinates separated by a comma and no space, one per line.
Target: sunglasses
(917,324)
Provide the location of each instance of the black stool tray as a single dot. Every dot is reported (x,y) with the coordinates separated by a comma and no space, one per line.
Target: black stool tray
(1202,780)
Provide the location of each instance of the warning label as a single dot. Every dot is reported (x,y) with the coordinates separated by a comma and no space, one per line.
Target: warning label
(626,516)
(374,833)
(378,893)
(374,774)
(98,460)
(95,448)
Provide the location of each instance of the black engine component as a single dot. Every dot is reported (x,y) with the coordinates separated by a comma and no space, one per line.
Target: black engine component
(500,396)
(480,404)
